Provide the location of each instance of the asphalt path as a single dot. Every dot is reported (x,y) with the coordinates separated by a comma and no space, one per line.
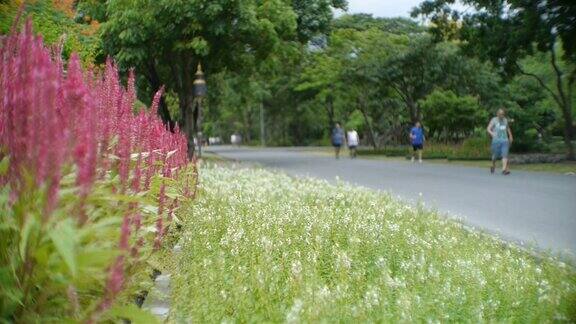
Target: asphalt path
(530,208)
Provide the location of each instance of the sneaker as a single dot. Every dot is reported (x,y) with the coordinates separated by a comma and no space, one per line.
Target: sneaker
(413,160)
(492,170)
(420,161)
(506,172)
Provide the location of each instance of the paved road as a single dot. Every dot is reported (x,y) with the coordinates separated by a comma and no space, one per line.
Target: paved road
(534,208)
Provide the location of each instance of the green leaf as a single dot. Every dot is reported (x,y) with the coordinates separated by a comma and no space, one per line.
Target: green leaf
(150,209)
(134,314)
(96,258)
(8,224)
(97,228)
(4,164)
(63,237)
(29,225)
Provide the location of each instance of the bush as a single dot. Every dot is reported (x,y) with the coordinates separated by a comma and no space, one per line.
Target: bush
(448,115)
(472,149)
(431,151)
(388,151)
(437,151)
(87,188)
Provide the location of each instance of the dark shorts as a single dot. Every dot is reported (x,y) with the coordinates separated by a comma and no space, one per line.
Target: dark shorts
(418,147)
(352,147)
(337,145)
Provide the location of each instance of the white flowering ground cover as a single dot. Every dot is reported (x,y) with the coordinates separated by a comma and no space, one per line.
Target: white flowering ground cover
(264,247)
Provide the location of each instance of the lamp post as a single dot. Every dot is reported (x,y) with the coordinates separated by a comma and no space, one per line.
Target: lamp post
(199,90)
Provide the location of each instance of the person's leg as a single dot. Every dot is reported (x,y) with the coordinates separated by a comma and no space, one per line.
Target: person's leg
(414,151)
(505,160)
(495,150)
(337,148)
(421,149)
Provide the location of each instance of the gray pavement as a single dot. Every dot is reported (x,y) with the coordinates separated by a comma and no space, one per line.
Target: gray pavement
(527,207)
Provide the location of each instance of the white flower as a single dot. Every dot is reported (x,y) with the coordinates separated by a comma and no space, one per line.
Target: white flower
(296,268)
(293,315)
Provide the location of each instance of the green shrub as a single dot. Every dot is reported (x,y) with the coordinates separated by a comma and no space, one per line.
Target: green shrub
(437,151)
(447,114)
(431,151)
(472,149)
(391,151)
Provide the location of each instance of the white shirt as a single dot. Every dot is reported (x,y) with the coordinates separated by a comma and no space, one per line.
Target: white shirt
(353,139)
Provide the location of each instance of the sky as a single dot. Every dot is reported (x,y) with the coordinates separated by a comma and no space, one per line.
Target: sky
(383,8)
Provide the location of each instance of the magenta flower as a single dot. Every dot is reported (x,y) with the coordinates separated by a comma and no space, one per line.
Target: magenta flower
(56,118)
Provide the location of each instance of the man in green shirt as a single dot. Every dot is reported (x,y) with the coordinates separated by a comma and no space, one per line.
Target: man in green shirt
(499,130)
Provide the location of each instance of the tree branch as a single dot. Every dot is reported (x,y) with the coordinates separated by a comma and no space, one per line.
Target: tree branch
(541,82)
(559,74)
(402,96)
(571,81)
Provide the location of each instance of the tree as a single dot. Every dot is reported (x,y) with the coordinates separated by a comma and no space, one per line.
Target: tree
(451,117)
(413,73)
(506,31)
(315,16)
(373,99)
(54,20)
(374,72)
(362,22)
(322,76)
(165,40)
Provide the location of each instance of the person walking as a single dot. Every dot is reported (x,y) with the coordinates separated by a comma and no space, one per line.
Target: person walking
(417,139)
(353,142)
(337,139)
(499,130)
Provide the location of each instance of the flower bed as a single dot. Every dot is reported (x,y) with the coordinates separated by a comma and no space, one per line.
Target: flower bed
(88,188)
(264,247)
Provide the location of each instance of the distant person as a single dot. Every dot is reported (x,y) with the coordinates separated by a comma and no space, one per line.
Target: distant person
(337,139)
(353,141)
(417,139)
(499,130)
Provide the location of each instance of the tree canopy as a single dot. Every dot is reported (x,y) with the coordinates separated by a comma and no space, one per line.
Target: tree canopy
(283,72)
(507,31)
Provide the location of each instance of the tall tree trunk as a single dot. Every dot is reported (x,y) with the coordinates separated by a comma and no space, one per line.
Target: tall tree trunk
(330,111)
(371,134)
(413,107)
(563,98)
(190,109)
(569,131)
(165,114)
(247,116)
(565,102)
(187,122)
(156,84)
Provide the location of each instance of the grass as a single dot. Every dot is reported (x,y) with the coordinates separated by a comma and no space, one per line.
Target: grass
(563,167)
(567,167)
(264,247)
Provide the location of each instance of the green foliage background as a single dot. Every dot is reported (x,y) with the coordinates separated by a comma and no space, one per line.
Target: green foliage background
(56,27)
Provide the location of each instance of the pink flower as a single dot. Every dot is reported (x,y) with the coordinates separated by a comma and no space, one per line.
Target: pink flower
(125,233)
(53,120)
